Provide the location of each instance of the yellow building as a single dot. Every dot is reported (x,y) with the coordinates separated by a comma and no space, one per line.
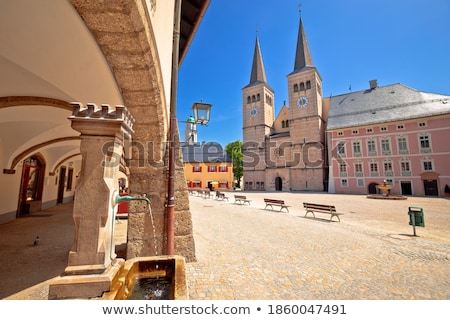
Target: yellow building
(207,166)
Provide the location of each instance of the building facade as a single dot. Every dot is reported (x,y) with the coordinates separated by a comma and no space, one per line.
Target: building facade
(347,143)
(207,166)
(286,153)
(391,133)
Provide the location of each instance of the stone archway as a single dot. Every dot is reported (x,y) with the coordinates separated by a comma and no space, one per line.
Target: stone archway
(123,31)
(372,188)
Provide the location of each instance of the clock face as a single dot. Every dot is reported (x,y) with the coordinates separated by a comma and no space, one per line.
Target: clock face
(302,101)
(253,112)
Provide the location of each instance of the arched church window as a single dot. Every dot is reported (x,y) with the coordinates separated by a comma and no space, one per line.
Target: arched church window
(258,97)
(282,124)
(295,87)
(249,99)
(287,123)
(302,86)
(253,98)
(308,84)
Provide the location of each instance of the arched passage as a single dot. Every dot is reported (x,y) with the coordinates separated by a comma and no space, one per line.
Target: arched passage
(31,185)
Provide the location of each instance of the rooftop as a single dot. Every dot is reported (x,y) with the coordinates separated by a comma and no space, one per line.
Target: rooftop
(389,103)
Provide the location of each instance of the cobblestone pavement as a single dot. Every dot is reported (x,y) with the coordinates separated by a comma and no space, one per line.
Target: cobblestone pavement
(246,252)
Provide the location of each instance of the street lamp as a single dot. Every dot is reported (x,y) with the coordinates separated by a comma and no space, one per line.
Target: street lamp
(201,112)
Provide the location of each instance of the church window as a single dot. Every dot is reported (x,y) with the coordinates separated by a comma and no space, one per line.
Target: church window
(258,97)
(302,86)
(249,99)
(308,84)
(253,98)
(287,123)
(295,87)
(282,124)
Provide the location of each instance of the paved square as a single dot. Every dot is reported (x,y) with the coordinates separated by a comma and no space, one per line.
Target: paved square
(245,252)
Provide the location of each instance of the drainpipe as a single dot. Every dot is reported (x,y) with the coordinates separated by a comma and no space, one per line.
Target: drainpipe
(170,208)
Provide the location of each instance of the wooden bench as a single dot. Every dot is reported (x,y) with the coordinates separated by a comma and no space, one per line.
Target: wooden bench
(313,207)
(207,194)
(221,196)
(241,200)
(273,202)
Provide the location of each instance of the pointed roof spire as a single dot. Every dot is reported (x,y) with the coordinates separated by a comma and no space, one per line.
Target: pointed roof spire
(302,55)
(258,74)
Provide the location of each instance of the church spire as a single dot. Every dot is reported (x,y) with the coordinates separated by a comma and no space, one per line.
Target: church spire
(258,74)
(302,55)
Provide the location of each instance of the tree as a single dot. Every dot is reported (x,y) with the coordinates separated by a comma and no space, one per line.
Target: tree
(234,151)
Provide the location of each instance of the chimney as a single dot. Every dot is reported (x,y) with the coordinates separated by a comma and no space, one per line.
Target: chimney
(373,84)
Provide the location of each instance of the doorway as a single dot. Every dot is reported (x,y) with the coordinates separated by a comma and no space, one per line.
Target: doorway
(30,197)
(431,187)
(62,180)
(406,188)
(373,188)
(278,184)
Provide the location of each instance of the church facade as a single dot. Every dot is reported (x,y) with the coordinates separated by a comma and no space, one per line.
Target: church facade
(347,143)
(286,153)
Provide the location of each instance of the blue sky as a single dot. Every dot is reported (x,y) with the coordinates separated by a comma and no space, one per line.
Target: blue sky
(351,42)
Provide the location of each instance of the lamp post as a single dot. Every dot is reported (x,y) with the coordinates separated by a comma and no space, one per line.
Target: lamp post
(202,112)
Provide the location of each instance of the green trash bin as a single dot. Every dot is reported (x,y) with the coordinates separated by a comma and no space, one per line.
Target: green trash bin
(416,217)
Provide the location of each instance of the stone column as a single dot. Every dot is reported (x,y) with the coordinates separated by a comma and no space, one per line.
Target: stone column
(103,131)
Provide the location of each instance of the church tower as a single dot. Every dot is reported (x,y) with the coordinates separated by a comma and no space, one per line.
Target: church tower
(258,118)
(306,123)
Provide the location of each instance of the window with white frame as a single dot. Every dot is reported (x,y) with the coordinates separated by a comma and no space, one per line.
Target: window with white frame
(402,145)
(344,183)
(386,146)
(356,148)
(358,169)
(360,182)
(343,169)
(425,146)
(373,167)
(371,147)
(341,148)
(388,168)
(427,165)
(405,167)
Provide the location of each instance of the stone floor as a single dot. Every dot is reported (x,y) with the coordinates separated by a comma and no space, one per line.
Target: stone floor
(246,252)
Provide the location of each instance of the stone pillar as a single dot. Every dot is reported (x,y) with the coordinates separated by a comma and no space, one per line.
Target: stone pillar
(103,131)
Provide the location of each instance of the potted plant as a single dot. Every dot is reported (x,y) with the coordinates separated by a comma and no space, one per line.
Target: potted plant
(447,190)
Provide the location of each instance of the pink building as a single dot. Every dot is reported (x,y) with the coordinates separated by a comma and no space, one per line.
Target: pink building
(392,133)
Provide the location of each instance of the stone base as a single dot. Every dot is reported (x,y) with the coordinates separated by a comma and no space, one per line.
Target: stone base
(84,286)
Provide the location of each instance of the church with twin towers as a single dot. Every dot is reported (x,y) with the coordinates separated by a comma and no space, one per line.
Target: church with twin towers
(285,152)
